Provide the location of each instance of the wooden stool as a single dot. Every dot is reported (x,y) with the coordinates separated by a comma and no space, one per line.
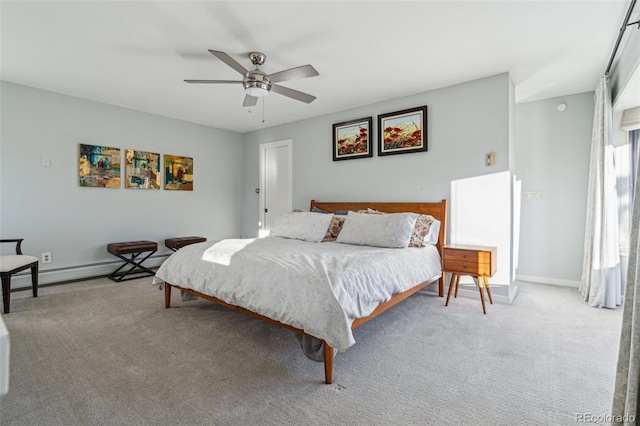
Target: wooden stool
(135,249)
(177,243)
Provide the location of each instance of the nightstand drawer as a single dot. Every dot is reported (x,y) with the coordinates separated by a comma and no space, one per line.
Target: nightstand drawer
(467,255)
(467,268)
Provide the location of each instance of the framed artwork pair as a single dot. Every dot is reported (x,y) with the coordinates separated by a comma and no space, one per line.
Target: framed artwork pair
(399,132)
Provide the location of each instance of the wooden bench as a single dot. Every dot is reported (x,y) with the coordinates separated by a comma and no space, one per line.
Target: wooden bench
(134,249)
(177,243)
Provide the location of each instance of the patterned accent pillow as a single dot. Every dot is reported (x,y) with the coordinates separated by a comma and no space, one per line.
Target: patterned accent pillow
(420,230)
(334,228)
(370,211)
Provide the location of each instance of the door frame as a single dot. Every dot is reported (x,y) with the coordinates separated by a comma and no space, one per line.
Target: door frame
(263,170)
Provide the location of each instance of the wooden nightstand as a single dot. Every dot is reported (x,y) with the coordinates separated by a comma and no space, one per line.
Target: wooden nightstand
(476,261)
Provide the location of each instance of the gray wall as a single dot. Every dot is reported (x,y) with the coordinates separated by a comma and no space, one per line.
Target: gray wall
(47,207)
(465,122)
(552,156)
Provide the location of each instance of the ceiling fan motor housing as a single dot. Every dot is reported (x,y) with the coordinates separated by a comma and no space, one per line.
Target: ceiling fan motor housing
(256,84)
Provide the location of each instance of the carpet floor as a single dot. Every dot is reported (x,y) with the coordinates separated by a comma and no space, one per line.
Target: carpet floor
(102,353)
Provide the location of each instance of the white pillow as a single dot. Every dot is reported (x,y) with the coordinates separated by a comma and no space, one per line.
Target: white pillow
(305,226)
(377,230)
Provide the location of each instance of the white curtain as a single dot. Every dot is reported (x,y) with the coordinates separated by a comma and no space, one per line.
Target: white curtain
(626,397)
(600,284)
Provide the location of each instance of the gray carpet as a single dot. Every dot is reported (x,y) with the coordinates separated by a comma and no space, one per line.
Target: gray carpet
(103,353)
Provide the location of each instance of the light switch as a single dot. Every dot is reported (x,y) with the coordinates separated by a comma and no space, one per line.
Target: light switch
(491,159)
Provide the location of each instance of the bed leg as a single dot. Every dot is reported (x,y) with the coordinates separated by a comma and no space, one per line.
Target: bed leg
(167,295)
(328,363)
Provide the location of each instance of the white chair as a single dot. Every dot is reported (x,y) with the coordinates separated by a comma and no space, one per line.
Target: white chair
(11,264)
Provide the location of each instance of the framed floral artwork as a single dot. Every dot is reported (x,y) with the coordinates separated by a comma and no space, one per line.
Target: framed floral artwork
(352,139)
(403,132)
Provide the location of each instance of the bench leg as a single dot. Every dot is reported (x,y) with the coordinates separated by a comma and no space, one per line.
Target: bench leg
(135,269)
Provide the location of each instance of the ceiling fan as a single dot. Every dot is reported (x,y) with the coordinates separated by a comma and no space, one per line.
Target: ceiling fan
(257,84)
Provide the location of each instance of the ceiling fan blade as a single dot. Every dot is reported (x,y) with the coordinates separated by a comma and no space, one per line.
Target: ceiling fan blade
(250,101)
(304,71)
(293,94)
(214,81)
(229,61)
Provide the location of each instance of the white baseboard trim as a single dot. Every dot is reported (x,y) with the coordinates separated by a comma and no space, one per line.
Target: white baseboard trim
(22,280)
(497,298)
(475,294)
(551,281)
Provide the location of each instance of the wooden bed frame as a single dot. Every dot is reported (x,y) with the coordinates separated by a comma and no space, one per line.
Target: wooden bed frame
(437,210)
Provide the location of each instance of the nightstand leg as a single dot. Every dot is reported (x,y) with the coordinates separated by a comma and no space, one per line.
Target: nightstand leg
(484,308)
(450,288)
(457,285)
(486,285)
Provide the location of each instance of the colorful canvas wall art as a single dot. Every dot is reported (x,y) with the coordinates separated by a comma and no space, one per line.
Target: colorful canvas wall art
(142,169)
(178,173)
(99,166)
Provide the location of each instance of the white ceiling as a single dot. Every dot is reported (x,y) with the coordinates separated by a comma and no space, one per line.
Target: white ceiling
(137,54)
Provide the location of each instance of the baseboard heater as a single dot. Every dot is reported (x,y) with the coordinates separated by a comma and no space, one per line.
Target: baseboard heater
(67,274)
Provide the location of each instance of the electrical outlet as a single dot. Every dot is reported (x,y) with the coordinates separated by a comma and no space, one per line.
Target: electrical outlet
(46,257)
(46,162)
(532,195)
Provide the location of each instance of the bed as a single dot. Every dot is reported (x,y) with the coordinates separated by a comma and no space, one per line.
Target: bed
(321,290)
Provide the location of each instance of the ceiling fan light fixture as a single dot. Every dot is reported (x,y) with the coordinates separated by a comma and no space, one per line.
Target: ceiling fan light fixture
(257,89)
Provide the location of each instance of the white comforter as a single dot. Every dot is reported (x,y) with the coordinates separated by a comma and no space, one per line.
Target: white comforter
(317,287)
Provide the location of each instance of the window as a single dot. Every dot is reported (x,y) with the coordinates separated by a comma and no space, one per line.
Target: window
(626,163)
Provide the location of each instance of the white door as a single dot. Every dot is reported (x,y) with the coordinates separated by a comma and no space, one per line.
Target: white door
(276,182)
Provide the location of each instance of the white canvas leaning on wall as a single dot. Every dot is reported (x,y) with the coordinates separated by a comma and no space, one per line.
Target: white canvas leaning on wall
(484,212)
